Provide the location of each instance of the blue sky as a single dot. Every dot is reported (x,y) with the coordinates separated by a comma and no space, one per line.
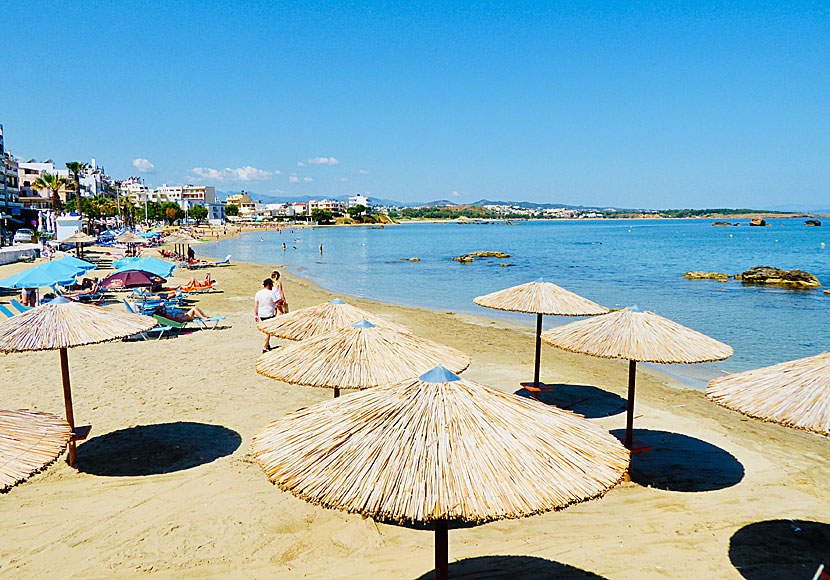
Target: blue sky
(645,104)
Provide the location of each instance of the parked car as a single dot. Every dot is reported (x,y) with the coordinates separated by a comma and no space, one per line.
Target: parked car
(23,236)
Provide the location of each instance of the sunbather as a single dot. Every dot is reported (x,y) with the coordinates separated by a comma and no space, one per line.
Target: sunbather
(191,314)
(193,284)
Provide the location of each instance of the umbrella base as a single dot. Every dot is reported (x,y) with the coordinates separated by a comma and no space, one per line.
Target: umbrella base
(534,390)
(637,446)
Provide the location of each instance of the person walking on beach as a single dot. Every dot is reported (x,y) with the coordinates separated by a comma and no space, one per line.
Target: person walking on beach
(265,308)
(279,293)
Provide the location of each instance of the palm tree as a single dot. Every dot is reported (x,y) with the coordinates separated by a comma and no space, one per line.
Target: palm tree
(53,183)
(76,168)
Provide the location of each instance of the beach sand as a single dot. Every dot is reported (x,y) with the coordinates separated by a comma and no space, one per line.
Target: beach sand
(166,487)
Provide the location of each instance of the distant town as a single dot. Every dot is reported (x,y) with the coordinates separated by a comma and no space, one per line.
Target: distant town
(32,192)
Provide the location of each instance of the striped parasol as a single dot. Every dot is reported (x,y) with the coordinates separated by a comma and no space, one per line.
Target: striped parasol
(540,298)
(62,324)
(793,393)
(320,319)
(636,335)
(28,442)
(438,448)
(358,357)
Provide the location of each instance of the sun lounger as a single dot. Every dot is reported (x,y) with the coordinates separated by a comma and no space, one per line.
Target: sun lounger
(214,319)
(225,262)
(160,329)
(6,312)
(19,307)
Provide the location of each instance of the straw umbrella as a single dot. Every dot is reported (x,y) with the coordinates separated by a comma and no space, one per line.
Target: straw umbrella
(62,324)
(358,357)
(131,239)
(793,393)
(636,336)
(29,441)
(78,238)
(436,449)
(320,319)
(540,298)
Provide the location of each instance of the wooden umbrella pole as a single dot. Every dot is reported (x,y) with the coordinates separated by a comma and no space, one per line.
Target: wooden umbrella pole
(336,392)
(629,420)
(442,552)
(538,349)
(67,399)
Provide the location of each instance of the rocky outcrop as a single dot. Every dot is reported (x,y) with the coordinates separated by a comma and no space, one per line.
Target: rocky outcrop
(757,222)
(697,275)
(723,224)
(467,258)
(507,265)
(812,223)
(778,277)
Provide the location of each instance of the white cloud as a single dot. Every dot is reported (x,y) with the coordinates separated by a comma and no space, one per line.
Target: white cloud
(293,178)
(323,161)
(246,173)
(364,172)
(454,194)
(344,179)
(143,165)
(307,179)
(300,164)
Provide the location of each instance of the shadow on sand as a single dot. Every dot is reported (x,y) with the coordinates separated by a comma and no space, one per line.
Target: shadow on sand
(154,449)
(590,402)
(513,568)
(678,462)
(774,549)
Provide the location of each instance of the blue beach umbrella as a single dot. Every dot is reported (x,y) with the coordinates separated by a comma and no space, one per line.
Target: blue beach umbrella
(75,262)
(152,265)
(46,274)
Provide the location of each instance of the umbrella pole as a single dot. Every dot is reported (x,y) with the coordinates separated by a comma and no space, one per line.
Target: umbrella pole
(336,392)
(538,350)
(629,420)
(67,399)
(77,250)
(442,552)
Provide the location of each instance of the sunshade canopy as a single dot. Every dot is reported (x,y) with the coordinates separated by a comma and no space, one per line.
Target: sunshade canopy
(540,298)
(130,238)
(78,237)
(28,441)
(131,279)
(639,336)
(45,274)
(320,319)
(62,323)
(82,265)
(439,447)
(794,393)
(150,264)
(358,357)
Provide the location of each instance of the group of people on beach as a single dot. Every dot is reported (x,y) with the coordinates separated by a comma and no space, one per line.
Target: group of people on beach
(269,302)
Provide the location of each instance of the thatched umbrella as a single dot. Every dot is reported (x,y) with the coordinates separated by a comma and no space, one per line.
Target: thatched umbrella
(636,336)
(794,393)
(29,441)
(131,239)
(320,319)
(540,298)
(180,238)
(439,448)
(78,238)
(62,324)
(358,357)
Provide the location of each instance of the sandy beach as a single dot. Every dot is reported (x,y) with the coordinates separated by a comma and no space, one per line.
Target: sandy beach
(165,486)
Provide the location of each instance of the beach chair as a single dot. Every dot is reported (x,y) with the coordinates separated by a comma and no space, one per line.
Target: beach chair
(225,262)
(160,329)
(6,312)
(214,319)
(175,324)
(19,307)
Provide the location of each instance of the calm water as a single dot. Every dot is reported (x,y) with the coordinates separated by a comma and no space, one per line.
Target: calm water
(614,263)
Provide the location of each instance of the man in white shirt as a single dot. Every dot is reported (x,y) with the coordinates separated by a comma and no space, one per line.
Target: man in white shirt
(265,307)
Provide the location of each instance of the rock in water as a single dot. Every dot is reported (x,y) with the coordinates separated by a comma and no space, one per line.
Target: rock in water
(778,277)
(721,224)
(696,275)
(467,258)
(757,222)
(812,223)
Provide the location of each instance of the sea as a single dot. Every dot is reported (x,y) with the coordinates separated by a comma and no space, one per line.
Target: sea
(616,263)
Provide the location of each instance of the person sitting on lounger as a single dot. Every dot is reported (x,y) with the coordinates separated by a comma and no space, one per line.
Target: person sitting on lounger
(191,314)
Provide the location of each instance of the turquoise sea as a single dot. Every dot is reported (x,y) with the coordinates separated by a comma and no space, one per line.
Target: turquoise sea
(613,262)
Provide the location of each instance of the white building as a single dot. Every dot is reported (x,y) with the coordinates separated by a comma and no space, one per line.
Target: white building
(334,206)
(359,199)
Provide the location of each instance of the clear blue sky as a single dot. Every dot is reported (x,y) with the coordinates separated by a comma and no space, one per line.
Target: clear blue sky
(635,105)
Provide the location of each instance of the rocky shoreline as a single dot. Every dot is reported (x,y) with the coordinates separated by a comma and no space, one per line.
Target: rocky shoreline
(762,275)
